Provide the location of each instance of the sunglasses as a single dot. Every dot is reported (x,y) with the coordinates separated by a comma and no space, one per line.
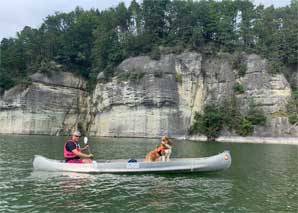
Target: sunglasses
(77,136)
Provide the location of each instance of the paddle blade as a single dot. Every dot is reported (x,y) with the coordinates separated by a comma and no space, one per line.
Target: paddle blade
(85,140)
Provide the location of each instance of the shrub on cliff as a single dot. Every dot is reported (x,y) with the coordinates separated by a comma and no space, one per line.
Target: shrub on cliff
(238,88)
(292,108)
(178,77)
(244,127)
(239,65)
(209,123)
(134,76)
(255,115)
(226,115)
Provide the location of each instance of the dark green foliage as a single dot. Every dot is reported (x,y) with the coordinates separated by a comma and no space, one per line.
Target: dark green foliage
(136,77)
(131,76)
(231,113)
(178,78)
(238,88)
(226,115)
(244,128)
(155,53)
(47,67)
(275,67)
(255,115)
(256,118)
(91,84)
(239,65)
(292,108)
(124,76)
(197,125)
(295,96)
(6,81)
(208,124)
(90,42)
(242,70)
(293,118)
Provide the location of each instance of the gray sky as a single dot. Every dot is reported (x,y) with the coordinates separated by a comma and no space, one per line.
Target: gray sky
(15,14)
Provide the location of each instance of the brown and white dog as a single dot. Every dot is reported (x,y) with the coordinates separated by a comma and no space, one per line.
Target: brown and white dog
(162,152)
(167,153)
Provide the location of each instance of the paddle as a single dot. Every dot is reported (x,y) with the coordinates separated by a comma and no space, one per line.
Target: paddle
(86,143)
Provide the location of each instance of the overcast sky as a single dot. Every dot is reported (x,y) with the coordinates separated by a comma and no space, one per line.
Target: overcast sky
(15,14)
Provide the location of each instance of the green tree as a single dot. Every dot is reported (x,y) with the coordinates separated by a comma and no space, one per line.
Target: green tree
(108,50)
(78,41)
(208,124)
(244,127)
(288,28)
(89,42)
(255,115)
(154,16)
(226,25)
(135,22)
(246,36)
(292,108)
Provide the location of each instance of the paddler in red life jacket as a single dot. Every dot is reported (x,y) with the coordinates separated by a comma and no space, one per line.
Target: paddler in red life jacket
(73,152)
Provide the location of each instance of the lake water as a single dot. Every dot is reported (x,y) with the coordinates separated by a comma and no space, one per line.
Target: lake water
(262,178)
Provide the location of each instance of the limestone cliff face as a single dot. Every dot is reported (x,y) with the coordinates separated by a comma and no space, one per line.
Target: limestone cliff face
(145,107)
(52,105)
(147,98)
(271,93)
(173,88)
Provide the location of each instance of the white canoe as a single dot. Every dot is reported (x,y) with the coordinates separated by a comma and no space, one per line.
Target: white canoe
(217,162)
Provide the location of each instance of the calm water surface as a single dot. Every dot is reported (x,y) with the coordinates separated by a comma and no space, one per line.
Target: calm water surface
(262,178)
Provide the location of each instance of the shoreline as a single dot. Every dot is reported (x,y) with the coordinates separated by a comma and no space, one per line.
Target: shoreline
(221,139)
(249,140)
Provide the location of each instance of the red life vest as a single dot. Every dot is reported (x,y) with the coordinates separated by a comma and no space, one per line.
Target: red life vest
(69,154)
(159,149)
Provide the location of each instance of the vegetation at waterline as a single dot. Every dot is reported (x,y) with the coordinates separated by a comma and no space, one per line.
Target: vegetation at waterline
(90,42)
(226,115)
(292,108)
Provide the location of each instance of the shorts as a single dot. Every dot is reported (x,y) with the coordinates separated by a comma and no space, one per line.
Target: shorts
(75,161)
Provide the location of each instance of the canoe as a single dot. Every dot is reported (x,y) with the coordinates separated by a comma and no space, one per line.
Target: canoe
(217,162)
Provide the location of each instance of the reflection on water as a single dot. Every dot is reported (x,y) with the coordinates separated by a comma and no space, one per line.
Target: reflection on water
(263,178)
(43,175)
(133,192)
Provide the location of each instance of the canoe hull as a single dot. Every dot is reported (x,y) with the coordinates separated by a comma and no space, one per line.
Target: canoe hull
(217,162)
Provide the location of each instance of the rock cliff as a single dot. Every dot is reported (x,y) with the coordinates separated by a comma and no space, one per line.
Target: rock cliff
(52,105)
(147,98)
(171,89)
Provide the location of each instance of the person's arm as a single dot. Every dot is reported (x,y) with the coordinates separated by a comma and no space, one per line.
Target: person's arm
(81,155)
(85,148)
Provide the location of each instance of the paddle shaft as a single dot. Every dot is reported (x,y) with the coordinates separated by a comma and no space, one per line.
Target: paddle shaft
(86,143)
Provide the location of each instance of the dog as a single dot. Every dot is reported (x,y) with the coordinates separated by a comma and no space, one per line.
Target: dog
(152,156)
(166,153)
(162,152)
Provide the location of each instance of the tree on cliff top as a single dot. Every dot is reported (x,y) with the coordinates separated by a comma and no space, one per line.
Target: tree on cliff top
(89,42)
